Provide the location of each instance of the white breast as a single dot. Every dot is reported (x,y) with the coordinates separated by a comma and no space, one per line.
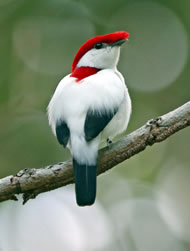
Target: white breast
(103,90)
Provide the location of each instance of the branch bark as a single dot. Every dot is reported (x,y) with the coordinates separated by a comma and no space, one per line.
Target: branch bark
(31,182)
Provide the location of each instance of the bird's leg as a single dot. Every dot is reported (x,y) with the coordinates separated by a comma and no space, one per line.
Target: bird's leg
(109,142)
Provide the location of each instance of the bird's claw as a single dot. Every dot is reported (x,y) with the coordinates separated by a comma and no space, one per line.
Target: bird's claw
(109,142)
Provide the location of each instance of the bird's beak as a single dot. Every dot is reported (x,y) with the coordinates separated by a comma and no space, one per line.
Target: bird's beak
(118,43)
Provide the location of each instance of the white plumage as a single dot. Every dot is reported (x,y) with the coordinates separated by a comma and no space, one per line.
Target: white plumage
(71,101)
(100,92)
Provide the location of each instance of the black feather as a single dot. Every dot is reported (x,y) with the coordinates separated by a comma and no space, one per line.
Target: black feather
(96,121)
(85,183)
(62,133)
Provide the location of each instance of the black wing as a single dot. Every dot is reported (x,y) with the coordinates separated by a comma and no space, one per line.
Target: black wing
(62,133)
(96,121)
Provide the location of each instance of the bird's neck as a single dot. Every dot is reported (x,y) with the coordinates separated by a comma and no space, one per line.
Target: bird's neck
(83,72)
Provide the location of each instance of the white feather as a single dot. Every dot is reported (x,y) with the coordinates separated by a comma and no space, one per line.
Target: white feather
(102,91)
(105,58)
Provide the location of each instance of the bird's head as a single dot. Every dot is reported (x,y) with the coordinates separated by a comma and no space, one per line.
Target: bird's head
(101,52)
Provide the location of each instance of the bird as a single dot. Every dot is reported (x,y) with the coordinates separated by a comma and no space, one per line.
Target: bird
(90,105)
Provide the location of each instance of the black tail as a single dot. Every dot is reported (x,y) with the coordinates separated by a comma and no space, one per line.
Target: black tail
(85,183)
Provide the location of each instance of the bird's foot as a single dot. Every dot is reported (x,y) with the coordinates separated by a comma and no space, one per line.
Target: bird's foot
(109,142)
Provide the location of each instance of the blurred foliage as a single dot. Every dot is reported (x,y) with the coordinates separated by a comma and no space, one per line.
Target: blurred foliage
(38,42)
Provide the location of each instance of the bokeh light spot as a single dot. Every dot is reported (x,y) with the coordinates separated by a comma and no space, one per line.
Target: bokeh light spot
(46,45)
(158,46)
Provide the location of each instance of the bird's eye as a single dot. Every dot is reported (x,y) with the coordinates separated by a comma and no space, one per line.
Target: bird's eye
(98,45)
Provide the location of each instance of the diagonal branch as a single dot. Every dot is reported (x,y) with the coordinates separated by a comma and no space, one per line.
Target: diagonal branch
(32,182)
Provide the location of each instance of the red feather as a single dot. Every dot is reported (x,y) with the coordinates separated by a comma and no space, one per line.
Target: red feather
(83,72)
(108,38)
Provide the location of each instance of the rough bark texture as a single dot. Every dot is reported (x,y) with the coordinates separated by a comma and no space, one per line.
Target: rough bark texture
(32,182)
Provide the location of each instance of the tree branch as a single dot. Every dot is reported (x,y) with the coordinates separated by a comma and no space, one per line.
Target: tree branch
(32,182)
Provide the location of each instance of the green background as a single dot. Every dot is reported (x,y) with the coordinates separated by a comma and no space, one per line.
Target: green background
(38,41)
